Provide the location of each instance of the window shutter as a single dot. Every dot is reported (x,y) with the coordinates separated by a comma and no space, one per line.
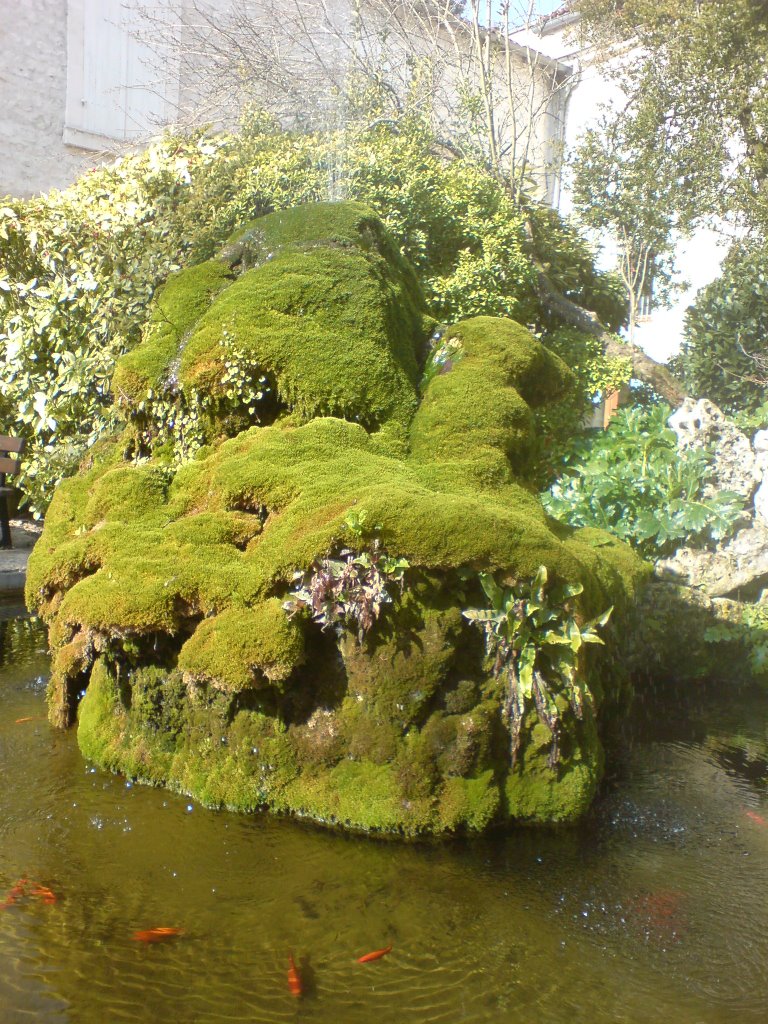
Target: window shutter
(115,86)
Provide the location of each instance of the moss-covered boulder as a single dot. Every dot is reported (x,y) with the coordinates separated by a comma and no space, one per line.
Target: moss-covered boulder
(258,585)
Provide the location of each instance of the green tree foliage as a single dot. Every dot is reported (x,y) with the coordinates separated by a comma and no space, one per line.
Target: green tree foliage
(725,348)
(689,145)
(695,82)
(632,196)
(78,268)
(633,481)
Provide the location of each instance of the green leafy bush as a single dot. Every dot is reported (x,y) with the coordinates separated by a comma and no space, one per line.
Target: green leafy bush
(633,481)
(78,268)
(77,272)
(724,356)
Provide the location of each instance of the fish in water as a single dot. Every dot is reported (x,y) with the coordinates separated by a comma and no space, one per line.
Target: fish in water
(294,978)
(19,889)
(44,893)
(377,954)
(757,818)
(20,721)
(157,934)
(659,915)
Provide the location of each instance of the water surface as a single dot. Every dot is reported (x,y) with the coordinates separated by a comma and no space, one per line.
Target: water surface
(654,908)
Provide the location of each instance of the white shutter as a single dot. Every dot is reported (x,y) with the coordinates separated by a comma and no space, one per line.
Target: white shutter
(115,86)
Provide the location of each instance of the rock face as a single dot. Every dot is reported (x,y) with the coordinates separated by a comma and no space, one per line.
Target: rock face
(760,501)
(740,563)
(700,424)
(285,393)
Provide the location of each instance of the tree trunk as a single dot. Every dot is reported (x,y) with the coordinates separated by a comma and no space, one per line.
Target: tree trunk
(644,368)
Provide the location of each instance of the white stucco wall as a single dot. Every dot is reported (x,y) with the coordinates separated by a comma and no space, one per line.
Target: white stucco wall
(75,89)
(33,82)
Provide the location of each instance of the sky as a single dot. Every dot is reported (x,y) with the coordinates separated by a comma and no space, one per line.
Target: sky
(542,6)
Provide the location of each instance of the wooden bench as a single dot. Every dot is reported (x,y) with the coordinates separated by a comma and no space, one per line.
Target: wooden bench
(8,468)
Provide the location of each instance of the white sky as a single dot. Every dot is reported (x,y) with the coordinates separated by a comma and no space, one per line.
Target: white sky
(542,6)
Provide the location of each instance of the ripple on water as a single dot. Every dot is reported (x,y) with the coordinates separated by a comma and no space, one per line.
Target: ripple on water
(654,910)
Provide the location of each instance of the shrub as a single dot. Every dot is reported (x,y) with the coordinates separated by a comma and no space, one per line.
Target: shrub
(633,481)
(79,268)
(724,356)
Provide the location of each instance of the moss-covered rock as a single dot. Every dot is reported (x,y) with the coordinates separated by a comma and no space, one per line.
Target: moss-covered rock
(165,584)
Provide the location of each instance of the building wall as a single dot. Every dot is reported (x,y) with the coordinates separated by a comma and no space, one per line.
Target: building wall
(93,76)
(33,84)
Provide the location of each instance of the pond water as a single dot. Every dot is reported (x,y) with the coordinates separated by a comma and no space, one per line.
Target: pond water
(654,908)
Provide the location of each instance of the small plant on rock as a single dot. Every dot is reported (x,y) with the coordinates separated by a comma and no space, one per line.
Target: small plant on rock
(634,481)
(532,632)
(351,588)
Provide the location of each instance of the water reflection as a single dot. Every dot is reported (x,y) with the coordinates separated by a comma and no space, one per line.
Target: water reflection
(654,907)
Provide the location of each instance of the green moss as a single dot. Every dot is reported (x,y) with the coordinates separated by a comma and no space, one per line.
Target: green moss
(178,306)
(331,315)
(127,493)
(400,667)
(244,647)
(477,409)
(536,792)
(102,720)
(166,586)
(359,795)
(469,804)
(462,697)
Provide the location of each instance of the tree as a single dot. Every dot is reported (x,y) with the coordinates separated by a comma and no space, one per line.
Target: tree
(696,88)
(690,144)
(630,199)
(724,353)
(454,66)
(326,64)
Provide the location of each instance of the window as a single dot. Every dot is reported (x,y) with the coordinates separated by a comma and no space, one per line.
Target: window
(645,300)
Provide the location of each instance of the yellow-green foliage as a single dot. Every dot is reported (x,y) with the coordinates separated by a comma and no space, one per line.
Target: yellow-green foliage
(79,268)
(244,647)
(178,306)
(305,280)
(167,586)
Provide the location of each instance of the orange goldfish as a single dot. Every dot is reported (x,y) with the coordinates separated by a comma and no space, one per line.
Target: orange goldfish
(294,978)
(44,893)
(20,721)
(157,934)
(757,818)
(19,889)
(377,954)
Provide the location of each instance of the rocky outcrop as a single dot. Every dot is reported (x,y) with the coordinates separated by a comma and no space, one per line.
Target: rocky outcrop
(700,424)
(297,450)
(738,565)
